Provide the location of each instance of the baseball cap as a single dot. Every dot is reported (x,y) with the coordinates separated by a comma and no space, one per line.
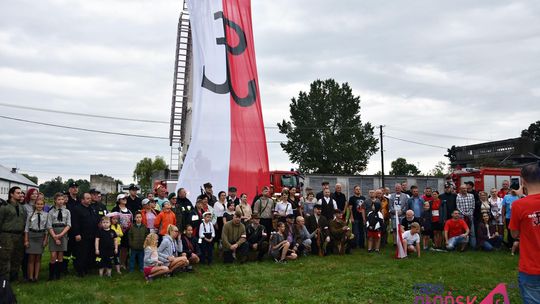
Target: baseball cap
(120,196)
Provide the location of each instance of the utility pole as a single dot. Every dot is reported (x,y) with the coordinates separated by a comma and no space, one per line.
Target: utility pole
(382,155)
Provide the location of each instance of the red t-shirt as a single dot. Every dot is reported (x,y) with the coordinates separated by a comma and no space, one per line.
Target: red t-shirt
(502,193)
(427,198)
(435,205)
(526,219)
(455,228)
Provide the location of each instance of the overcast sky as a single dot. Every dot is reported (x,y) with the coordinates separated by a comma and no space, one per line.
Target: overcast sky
(437,72)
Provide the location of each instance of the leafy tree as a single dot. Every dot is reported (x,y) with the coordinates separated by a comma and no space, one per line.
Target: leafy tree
(440,170)
(451,154)
(49,188)
(145,168)
(326,134)
(401,167)
(34,179)
(532,132)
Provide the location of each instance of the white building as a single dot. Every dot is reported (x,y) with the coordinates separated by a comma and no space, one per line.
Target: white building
(10,178)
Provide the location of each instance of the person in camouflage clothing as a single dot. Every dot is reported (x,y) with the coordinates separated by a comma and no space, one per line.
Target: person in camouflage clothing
(12,222)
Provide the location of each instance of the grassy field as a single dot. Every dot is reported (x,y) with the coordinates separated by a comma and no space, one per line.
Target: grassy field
(358,278)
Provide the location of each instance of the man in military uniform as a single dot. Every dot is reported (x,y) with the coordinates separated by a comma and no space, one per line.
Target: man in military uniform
(257,237)
(99,208)
(340,234)
(12,222)
(317,224)
(264,208)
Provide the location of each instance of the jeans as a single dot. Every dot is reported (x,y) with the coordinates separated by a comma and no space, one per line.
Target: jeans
(207,252)
(509,234)
(454,241)
(358,231)
(529,285)
(493,243)
(136,255)
(472,233)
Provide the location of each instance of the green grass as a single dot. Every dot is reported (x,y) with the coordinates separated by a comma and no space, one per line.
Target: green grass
(356,278)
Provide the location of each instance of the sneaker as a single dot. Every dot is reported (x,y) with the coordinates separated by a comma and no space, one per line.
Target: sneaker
(377,251)
(234,255)
(283,261)
(148,279)
(189,268)
(276,260)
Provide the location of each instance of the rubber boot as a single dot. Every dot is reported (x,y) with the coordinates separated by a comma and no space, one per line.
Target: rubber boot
(52,267)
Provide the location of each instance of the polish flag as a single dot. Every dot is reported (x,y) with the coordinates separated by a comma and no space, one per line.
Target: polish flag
(228,141)
(401,252)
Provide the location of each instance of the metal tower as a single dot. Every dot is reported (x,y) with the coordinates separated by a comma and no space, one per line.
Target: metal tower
(179,133)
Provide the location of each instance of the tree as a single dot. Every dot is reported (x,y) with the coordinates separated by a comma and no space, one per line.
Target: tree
(451,154)
(532,132)
(401,167)
(49,188)
(145,168)
(440,170)
(326,134)
(34,179)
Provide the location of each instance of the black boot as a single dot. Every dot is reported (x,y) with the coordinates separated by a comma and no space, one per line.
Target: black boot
(58,271)
(52,267)
(13,276)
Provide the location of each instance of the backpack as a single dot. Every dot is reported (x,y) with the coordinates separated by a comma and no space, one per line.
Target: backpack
(6,293)
(374,221)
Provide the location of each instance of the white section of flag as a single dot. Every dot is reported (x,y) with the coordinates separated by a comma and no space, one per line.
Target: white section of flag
(208,155)
(400,251)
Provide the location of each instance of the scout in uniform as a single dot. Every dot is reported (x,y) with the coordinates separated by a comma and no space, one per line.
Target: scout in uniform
(58,224)
(35,239)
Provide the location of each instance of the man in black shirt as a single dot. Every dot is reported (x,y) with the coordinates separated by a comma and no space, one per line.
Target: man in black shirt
(99,208)
(409,218)
(72,202)
(185,205)
(84,224)
(256,237)
(448,201)
(209,192)
(134,202)
(356,202)
(339,197)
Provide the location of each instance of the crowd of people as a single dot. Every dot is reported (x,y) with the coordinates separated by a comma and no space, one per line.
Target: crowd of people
(165,233)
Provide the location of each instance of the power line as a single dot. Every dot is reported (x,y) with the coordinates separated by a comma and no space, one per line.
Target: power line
(71,173)
(82,114)
(437,134)
(415,142)
(82,129)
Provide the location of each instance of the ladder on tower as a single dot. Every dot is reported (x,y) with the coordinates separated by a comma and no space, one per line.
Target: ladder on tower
(181,95)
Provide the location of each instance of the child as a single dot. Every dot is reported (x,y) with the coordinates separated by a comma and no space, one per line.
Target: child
(35,238)
(106,246)
(58,225)
(374,226)
(115,226)
(125,220)
(280,246)
(152,266)
(190,246)
(411,239)
(136,236)
(426,221)
(206,238)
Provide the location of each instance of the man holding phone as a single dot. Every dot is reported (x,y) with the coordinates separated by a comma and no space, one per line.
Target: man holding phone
(525,225)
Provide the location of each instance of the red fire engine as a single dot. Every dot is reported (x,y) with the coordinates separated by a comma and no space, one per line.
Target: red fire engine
(486,178)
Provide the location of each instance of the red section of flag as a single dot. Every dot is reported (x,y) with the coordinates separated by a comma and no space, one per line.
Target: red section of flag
(248,169)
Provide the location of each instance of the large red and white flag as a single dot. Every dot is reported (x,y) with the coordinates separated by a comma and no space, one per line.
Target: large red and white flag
(401,252)
(228,142)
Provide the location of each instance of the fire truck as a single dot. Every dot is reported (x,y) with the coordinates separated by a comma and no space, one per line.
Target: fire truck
(486,178)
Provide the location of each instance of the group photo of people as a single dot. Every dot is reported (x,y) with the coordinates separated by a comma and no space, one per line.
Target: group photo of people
(163,234)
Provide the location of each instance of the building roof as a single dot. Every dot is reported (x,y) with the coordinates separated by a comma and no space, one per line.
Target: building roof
(6,174)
